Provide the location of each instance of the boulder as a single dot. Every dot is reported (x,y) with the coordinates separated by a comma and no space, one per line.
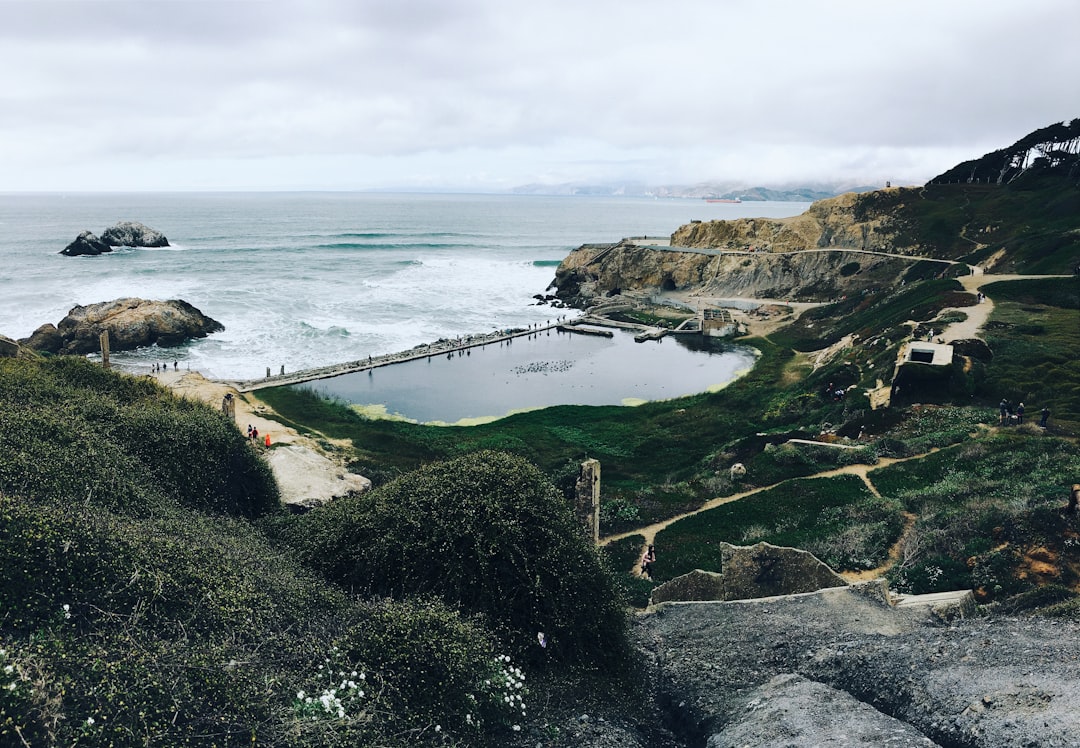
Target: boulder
(86,243)
(133,323)
(133,234)
(8,347)
(46,339)
(748,572)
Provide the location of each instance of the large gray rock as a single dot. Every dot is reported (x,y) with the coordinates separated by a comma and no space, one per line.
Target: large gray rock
(133,323)
(133,234)
(976,683)
(794,712)
(86,243)
(761,570)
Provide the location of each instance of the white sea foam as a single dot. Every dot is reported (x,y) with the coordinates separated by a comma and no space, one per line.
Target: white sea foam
(310,280)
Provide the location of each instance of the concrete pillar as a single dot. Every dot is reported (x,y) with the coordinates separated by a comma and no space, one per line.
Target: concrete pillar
(587,499)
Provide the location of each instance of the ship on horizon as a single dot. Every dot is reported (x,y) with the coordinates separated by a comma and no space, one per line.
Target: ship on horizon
(723,200)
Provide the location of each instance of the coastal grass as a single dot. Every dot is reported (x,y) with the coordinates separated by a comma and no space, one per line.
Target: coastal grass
(802,513)
(982,507)
(871,314)
(152,591)
(1035,336)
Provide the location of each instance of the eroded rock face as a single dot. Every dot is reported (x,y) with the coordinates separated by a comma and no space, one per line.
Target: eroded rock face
(590,274)
(86,243)
(132,323)
(133,234)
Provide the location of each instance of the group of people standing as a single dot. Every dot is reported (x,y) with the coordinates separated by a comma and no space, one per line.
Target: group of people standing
(1008,415)
(253,434)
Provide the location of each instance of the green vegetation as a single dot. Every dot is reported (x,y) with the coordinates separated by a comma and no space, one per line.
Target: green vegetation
(981,507)
(147,597)
(508,550)
(838,517)
(1035,335)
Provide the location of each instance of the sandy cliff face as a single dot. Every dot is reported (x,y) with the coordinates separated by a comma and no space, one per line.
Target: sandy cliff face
(834,223)
(588,275)
(788,258)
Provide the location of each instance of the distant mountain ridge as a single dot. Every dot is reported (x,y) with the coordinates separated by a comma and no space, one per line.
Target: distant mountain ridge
(724,190)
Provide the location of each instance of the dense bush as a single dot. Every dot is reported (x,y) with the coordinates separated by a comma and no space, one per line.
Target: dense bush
(73,431)
(487,533)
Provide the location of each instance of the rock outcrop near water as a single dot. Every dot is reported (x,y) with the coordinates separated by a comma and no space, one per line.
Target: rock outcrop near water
(132,323)
(817,256)
(86,243)
(133,234)
(123,234)
(591,273)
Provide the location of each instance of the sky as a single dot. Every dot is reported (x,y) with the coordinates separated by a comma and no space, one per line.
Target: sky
(487,95)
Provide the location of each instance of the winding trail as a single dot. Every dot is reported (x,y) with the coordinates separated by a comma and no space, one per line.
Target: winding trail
(862,471)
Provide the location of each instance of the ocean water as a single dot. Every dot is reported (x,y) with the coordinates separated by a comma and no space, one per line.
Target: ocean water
(310,279)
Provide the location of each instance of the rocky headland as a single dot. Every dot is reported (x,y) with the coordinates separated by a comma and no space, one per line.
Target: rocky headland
(839,246)
(131,323)
(122,234)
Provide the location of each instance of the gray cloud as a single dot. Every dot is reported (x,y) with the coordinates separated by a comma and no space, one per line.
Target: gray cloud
(489,93)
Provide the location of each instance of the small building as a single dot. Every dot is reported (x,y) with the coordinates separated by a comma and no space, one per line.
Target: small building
(933,354)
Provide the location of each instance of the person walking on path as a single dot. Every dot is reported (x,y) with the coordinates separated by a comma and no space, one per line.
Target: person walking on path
(1003,411)
(1044,416)
(1020,413)
(647,561)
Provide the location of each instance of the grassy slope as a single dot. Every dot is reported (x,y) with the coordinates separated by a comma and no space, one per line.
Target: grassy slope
(147,596)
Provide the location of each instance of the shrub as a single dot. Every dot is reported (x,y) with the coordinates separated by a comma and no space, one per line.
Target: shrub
(71,430)
(487,533)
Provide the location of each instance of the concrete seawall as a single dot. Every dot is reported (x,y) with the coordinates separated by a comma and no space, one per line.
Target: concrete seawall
(440,348)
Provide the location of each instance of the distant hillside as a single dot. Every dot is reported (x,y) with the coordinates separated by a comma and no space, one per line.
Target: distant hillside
(725,190)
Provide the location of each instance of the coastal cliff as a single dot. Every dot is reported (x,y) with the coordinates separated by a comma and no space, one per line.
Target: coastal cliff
(843,222)
(592,273)
(838,246)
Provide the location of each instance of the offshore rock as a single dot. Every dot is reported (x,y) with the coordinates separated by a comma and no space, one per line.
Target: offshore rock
(133,323)
(133,234)
(86,243)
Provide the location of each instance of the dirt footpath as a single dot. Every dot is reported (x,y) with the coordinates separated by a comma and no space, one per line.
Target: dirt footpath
(306,472)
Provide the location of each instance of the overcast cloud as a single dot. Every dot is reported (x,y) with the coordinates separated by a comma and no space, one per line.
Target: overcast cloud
(489,94)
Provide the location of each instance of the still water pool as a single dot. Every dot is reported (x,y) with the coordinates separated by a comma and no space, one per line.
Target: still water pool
(545,369)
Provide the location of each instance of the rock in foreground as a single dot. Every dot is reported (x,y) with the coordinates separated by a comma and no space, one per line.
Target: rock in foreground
(131,323)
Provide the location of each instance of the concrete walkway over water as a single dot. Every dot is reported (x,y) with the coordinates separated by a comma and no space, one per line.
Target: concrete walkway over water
(448,348)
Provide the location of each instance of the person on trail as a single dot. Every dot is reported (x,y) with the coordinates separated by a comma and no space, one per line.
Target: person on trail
(1003,411)
(1044,416)
(1074,498)
(647,561)
(1020,413)
(268,441)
